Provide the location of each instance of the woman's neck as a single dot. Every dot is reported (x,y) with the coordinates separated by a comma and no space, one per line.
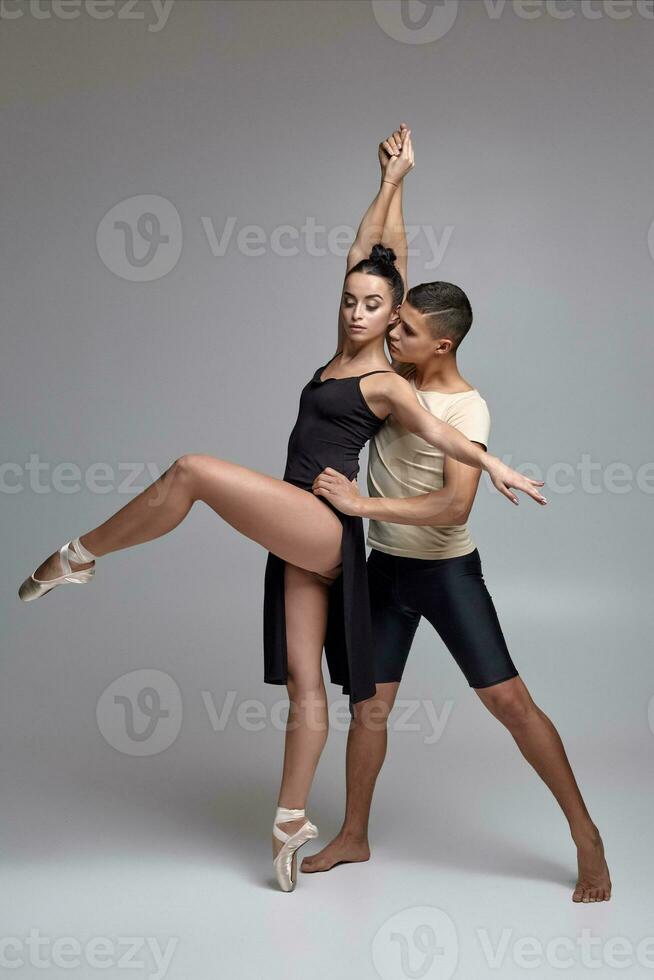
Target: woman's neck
(370,355)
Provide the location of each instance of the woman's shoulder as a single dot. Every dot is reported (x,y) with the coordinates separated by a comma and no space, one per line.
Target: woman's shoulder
(387,380)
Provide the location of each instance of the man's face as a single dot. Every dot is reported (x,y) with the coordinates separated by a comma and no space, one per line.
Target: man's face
(411,341)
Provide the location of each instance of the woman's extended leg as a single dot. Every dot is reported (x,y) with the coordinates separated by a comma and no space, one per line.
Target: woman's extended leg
(284,519)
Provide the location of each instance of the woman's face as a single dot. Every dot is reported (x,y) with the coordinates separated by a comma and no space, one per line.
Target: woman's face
(366,306)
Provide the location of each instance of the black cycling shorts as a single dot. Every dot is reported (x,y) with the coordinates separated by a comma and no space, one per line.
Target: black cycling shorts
(452,595)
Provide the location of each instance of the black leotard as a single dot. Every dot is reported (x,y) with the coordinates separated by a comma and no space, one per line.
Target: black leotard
(334,423)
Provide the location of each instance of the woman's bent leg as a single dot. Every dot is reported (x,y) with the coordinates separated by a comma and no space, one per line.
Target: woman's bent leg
(284,519)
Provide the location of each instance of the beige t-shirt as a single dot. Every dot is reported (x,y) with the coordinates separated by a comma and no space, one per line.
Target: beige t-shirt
(402,464)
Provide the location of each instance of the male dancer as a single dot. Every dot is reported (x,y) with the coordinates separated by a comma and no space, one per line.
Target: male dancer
(424,563)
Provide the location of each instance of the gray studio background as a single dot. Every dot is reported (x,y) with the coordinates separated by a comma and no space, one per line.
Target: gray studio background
(533,144)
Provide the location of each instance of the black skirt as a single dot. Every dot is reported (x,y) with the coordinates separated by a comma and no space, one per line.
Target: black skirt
(348,638)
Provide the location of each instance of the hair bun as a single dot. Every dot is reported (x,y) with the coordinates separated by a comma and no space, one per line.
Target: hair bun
(380,253)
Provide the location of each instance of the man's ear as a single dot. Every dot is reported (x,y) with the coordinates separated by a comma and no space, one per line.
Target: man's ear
(444,346)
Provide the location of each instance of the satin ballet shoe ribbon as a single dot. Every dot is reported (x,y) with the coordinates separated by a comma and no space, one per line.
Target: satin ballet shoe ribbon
(34,588)
(283,862)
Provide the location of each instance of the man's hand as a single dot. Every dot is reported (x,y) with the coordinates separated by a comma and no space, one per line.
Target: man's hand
(338,490)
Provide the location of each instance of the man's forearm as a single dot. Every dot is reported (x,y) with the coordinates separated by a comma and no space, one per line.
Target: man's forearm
(438,508)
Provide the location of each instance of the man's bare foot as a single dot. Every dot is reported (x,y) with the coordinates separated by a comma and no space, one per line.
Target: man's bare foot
(341,850)
(51,567)
(593,881)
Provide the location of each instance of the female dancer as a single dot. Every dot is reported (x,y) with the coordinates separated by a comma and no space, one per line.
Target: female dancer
(310,543)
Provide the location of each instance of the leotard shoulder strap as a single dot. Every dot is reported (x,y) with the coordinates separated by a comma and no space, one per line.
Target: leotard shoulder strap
(322,367)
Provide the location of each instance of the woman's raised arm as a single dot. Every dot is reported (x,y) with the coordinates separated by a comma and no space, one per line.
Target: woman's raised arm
(395,163)
(394,233)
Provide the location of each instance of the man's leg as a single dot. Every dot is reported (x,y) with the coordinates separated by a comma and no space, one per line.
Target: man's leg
(393,627)
(538,740)
(456,601)
(365,754)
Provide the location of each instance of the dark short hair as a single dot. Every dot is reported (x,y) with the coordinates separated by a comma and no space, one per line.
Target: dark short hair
(381,262)
(446,307)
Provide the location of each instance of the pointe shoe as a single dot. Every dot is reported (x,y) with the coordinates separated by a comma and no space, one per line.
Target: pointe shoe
(285,863)
(34,588)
